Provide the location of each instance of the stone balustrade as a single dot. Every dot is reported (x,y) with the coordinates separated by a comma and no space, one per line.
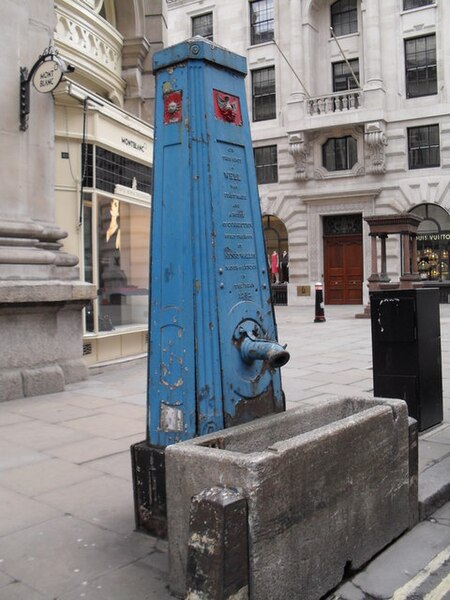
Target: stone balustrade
(332,103)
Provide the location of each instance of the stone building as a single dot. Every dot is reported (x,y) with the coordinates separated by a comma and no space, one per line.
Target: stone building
(103,161)
(76,181)
(349,102)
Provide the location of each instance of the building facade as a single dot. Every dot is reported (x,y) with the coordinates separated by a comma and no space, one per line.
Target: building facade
(76,158)
(103,162)
(350,105)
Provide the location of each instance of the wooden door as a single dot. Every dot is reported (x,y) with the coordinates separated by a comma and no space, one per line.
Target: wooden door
(343,269)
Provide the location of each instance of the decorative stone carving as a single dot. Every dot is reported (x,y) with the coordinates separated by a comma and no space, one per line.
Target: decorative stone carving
(299,149)
(92,45)
(376,142)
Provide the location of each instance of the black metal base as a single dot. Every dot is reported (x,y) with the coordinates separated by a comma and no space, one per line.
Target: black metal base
(149,487)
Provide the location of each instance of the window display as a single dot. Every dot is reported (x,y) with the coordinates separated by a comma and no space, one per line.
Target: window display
(123,246)
(433,242)
(116,233)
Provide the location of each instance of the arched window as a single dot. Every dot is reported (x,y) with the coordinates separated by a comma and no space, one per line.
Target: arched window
(276,237)
(433,242)
(344,17)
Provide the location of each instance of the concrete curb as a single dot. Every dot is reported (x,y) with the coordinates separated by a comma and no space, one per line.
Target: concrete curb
(434,487)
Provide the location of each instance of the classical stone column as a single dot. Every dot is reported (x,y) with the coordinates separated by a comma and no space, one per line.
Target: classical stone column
(372,44)
(41,295)
(374,258)
(383,275)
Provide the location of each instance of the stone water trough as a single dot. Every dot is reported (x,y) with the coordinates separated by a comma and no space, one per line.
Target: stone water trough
(327,487)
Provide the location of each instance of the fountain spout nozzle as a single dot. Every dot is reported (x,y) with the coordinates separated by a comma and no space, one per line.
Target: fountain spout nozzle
(272,352)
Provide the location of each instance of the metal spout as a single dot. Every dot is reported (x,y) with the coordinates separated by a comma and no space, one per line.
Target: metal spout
(271,352)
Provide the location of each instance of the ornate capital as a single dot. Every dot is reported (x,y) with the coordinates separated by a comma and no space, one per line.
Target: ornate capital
(299,149)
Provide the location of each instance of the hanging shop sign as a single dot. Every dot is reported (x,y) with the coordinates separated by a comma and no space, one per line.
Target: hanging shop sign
(46,75)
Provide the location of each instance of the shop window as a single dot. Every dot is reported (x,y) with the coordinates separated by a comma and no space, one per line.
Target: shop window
(112,169)
(423,147)
(263,94)
(339,154)
(123,250)
(433,242)
(421,68)
(344,17)
(266,163)
(261,21)
(409,4)
(116,234)
(343,78)
(203,25)
(276,238)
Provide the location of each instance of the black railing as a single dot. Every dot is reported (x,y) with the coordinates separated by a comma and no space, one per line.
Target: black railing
(279,294)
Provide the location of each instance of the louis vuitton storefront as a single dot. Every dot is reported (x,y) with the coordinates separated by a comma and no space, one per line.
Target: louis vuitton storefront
(433,247)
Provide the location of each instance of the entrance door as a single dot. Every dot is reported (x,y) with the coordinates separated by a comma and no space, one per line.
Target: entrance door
(343,266)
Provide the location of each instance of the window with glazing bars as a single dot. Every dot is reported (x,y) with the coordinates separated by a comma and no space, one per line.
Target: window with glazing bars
(266,163)
(409,4)
(263,94)
(423,147)
(112,169)
(344,17)
(421,67)
(342,76)
(203,25)
(261,21)
(339,154)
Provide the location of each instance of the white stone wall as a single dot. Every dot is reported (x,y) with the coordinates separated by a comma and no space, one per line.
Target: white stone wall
(381,181)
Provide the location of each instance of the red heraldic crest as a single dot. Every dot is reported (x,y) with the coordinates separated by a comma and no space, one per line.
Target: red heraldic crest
(173,105)
(227,108)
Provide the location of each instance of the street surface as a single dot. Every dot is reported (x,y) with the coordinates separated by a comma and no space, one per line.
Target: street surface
(66,499)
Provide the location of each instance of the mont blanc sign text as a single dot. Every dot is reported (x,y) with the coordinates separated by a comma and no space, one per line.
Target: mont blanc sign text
(47,76)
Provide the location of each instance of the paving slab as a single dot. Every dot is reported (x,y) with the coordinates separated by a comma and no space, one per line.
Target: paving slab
(18,513)
(53,474)
(117,465)
(106,501)
(137,580)
(127,411)
(431,452)
(62,553)
(4,579)
(55,412)
(87,401)
(108,426)
(14,455)
(92,449)
(17,590)
(40,435)
(10,418)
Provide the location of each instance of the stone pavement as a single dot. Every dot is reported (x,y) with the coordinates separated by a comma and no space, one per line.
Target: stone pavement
(66,499)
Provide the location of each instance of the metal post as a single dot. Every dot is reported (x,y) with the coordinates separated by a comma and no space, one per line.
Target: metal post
(213,352)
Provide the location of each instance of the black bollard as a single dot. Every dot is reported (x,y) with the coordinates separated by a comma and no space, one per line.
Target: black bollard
(320,311)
